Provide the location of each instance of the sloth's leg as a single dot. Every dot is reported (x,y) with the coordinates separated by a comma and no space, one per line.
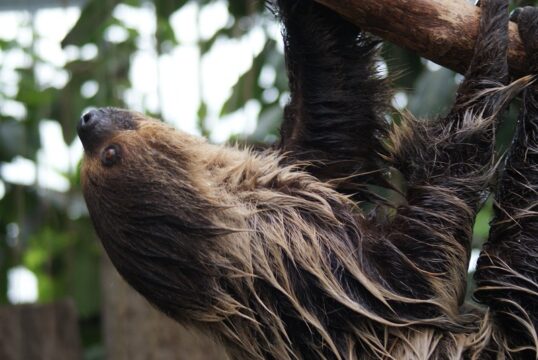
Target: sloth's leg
(447,164)
(335,117)
(507,274)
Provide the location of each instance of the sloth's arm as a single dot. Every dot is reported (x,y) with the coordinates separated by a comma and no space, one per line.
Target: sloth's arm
(447,164)
(507,274)
(335,118)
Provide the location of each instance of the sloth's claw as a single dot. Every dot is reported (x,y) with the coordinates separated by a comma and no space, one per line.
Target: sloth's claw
(514,15)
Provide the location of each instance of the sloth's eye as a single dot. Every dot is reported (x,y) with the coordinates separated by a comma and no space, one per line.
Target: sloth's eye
(111,155)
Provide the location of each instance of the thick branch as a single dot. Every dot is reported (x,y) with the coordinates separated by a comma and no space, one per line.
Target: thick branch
(443,31)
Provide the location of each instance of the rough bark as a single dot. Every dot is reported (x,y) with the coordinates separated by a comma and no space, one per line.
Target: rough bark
(39,332)
(443,31)
(133,330)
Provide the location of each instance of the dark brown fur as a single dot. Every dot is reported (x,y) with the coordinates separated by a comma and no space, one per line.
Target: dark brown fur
(271,252)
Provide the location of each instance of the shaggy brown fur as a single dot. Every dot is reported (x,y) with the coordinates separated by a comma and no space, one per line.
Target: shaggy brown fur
(271,253)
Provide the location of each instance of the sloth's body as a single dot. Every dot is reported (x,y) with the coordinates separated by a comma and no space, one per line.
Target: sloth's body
(270,252)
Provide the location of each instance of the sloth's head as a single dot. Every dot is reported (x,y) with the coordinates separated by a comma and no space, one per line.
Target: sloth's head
(121,145)
(142,181)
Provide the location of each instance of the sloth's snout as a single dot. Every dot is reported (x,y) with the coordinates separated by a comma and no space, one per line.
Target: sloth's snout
(88,120)
(93,127)
(96,126)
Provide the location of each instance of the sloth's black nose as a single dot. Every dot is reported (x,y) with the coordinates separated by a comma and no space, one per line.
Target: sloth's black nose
(88,120)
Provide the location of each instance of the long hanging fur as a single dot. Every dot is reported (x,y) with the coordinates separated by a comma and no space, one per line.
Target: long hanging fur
(334,121)
(276,259)
(507,273)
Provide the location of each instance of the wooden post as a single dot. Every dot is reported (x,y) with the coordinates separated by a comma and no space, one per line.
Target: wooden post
(134,330)
(40,332)
(443,31)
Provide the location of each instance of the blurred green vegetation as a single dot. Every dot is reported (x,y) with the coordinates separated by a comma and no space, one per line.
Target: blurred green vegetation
(48,231)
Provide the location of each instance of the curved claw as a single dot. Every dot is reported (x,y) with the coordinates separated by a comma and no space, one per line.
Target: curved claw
(514,15)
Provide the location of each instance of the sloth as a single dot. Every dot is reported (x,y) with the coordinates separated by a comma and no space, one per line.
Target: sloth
(273,253)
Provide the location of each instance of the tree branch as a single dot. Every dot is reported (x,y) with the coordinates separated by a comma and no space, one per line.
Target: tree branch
(443,31)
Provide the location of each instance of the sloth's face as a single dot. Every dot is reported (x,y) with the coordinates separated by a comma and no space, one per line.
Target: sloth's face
(124,149)
(98,127)
(135,168)
(106,135)
(139,179)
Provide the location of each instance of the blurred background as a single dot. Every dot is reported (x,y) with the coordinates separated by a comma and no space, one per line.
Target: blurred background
(210,67)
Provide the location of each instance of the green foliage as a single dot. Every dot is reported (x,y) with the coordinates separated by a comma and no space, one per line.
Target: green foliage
(248,87)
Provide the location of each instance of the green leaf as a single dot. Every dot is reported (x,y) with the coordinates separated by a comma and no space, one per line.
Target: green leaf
(91,22)
(482,224)
(12,140)
(268,125)
(434,93)
(247,86)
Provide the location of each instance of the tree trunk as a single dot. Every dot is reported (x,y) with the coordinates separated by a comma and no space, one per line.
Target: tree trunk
(39,332)
(133,330)
(443,31)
